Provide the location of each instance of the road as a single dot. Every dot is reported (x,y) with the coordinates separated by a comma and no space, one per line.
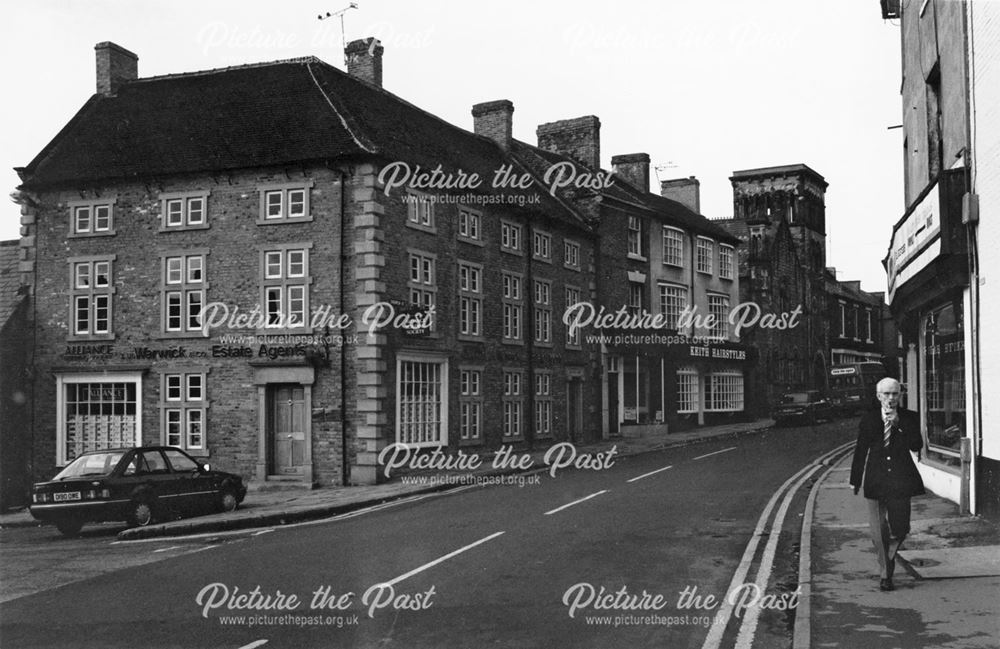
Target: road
(501,566)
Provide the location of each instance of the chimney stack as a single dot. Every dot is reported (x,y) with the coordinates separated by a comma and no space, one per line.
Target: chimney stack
(578,138)
(115,66)
(686,191)
(364,60)
(633,168)
(493,119)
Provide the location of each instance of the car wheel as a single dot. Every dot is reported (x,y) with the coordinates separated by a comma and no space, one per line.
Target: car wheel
(141,513)
(227,501)
(69,528)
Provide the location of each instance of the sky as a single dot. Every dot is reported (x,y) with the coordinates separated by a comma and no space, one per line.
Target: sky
(705,88)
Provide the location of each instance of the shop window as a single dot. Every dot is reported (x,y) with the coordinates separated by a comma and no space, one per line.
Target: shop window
(943,352)
(687,390)
(724,391)
(96,412)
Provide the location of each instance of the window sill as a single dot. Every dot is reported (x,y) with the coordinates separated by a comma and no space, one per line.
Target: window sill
(285,221)
(470,442)
(429,229)
(512,251)
(472,242)
(636,257)
(82,338)
(278,331)
(91,235)
(544,260)
(182,228)
(673,265)
(467,338)
(512,343)
(544,345)
(575,269)
(177,335)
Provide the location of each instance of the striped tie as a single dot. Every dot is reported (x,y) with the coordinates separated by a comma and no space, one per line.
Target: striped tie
(888,432)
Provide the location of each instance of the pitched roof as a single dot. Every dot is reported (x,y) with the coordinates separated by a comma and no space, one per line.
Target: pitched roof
(269,114)
(669,210)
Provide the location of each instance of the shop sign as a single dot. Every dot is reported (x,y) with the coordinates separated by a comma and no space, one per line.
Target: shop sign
(916,240)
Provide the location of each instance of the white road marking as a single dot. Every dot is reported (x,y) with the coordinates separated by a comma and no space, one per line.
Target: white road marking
(725,450)
(441,559)
(254,644)
(714,638)
(576,502)
(172,547)
(260,532)
(646,475)
(748,628)
(801,632)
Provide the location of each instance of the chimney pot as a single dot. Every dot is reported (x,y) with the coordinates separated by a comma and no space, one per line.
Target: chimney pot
(364,60)
(578,138)
(633,168)
(115,66)
(493,120)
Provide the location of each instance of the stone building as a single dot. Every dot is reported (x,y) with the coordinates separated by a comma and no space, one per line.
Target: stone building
(779,215)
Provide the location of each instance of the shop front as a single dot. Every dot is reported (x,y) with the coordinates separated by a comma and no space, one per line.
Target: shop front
(674,386)
(930,300)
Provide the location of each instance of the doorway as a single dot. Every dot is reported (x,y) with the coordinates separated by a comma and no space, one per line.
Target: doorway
(286,429)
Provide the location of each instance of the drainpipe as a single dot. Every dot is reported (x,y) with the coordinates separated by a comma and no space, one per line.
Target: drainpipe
(344,466)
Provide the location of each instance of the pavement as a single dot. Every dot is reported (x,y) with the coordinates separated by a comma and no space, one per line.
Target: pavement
(947,582)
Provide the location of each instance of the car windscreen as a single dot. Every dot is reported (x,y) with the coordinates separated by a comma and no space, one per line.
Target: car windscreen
(795,397)
(92,464)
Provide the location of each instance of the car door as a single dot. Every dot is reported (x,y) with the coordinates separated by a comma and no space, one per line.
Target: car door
(153,472)
(194,488)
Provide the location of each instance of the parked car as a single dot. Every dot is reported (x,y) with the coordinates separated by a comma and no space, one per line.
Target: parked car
(136,485)
(806,405)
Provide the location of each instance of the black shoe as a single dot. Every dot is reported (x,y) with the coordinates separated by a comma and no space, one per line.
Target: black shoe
(886,585)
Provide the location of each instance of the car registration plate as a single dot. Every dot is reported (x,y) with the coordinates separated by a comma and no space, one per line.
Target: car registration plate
(66,495)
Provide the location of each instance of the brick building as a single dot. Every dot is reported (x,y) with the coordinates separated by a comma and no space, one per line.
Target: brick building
(861,328)
(209,250)
(169,203)
(657,256)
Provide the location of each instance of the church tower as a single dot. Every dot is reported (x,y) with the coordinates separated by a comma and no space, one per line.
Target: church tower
(794,193)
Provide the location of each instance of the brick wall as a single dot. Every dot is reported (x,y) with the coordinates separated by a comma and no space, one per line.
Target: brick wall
(232,242)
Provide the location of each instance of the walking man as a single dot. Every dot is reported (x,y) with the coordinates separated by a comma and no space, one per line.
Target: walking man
(884,467)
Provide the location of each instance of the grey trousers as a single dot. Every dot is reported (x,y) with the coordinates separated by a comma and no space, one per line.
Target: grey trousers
(888,523)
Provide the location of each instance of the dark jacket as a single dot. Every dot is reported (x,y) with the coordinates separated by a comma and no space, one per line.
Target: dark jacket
(887,472)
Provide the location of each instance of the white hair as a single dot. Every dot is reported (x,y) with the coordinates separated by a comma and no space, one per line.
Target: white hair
(886,383)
